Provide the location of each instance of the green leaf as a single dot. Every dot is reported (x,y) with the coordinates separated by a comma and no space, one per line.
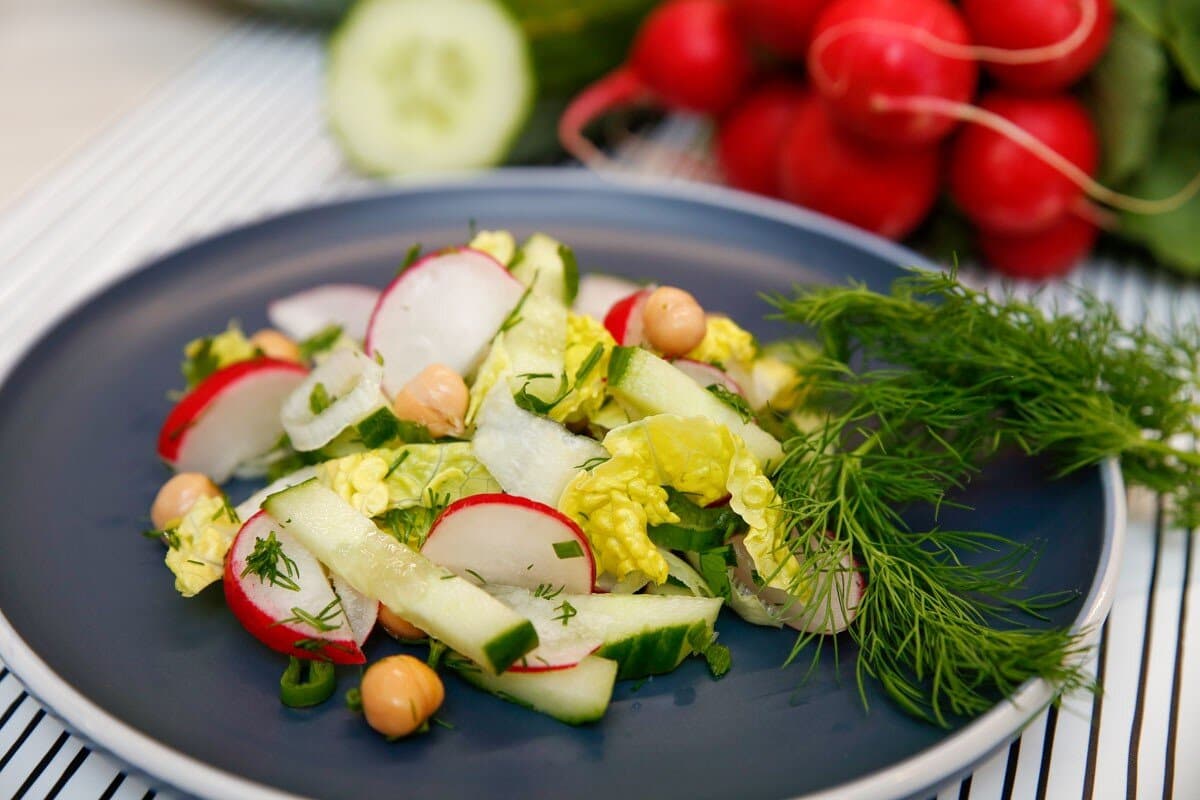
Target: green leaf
(320,341)
(1181,20)
(1128,90)
(568,549)
(1147,13)
(1174,237)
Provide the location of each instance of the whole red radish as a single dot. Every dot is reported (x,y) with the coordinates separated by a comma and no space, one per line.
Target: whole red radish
(867,52)
(1004,188)
(884,190)
(687,56)
(749,137)
(1052,43)
(783,27)
(1041,255)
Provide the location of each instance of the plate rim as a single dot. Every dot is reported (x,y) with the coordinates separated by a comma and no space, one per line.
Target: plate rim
(933,767)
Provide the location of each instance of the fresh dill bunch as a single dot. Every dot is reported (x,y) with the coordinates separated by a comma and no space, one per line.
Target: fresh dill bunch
(914,391)
(1080,386)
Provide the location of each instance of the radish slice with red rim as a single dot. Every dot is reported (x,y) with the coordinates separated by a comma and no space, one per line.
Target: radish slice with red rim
(514,541)
(444,309)
(232,416)
(598,292)
(279,592)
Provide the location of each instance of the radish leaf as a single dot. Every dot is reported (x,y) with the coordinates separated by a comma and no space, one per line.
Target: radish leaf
(1173,237)
(1129,100)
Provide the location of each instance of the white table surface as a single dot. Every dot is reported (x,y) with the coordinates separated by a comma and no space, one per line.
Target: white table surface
(70,68)
(233,131)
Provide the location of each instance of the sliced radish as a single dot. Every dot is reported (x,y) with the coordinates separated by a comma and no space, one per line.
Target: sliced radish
(598,292)
(707,375)
(444,309)
(294,610)
(515,541)
(231,417)
(362,612)
(527,454)
(563,640)
(351,384)
(837,592)
(624,319)
(347,305)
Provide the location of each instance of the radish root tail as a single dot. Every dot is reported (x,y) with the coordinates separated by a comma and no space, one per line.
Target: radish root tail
(1036,147)
(619,88)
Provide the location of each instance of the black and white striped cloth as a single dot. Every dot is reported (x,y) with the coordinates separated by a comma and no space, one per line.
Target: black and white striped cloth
(240,134)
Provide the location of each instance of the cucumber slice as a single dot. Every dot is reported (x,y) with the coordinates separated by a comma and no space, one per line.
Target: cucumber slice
(646,384)
(529,455)
(575,696)
(438,602)
(428,85)
(645,634)
(536,345)
(548,267)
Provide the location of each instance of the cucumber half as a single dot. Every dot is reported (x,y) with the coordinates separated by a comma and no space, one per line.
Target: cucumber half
(428,85)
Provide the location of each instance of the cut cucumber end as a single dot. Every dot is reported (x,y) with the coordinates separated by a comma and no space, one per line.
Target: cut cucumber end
(576,696)
(503,651)
(418,86)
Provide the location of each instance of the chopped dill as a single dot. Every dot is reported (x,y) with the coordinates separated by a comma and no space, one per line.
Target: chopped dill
(271,564)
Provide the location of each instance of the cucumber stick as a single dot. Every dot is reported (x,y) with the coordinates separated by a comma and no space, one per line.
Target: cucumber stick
(646,384)
(428,85)
(443,605)
(644,634)
(536,345)
(548,267)
(575,695)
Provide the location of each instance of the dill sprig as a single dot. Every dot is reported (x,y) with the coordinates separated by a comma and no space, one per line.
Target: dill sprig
(1079,385)
(915,390)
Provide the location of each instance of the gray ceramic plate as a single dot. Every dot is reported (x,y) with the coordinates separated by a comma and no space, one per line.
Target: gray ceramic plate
(175,687)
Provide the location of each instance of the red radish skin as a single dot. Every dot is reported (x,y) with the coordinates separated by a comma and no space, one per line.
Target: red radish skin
(867,51)
(1041,255)
(1000,185)
(783,27)
(268,629)
(750,135)
(482,506)
(1080,29)
(230,418)
(624,319)
(687,56)
(185,412)
(598,292)
(885,191)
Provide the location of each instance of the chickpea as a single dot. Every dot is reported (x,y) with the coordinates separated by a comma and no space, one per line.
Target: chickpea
(398,626)
(436,398)
(274,344)
(399,693)
(178,495)
(673,322)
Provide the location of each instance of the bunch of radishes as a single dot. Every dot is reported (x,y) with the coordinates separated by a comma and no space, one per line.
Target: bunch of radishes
(866,109)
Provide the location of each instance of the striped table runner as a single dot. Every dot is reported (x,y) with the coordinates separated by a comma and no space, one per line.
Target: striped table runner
(239,135)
